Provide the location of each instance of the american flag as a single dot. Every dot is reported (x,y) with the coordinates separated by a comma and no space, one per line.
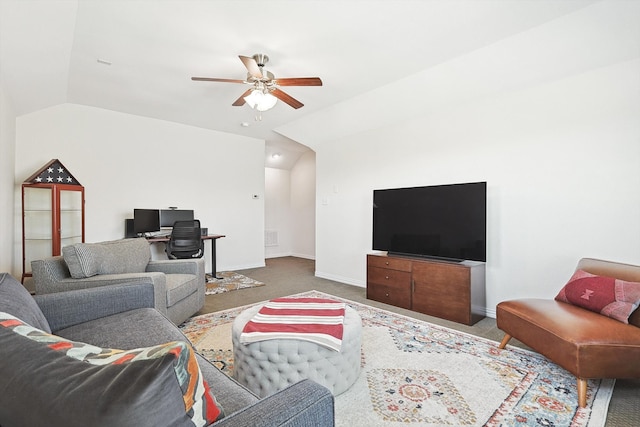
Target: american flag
(53,172)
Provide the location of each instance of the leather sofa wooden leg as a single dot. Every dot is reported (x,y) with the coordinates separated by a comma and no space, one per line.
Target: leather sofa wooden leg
(505,340)
(582,392)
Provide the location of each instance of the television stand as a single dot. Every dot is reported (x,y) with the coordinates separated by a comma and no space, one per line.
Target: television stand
(426,257)
(442,289)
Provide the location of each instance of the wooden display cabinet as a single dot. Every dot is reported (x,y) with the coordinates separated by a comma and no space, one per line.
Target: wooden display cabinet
(452,291)
(52,213)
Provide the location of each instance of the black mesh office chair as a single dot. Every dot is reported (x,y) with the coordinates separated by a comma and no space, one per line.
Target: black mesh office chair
(185,240)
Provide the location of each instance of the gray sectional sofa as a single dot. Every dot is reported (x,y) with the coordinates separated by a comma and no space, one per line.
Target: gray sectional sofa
(179,285)
(43,386)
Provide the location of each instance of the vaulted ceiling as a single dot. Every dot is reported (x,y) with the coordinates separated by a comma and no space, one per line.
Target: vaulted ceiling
(137,56)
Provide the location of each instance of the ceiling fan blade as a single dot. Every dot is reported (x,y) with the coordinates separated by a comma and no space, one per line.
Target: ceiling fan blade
(240,101)
(213,79)
(252,66)
(288,99)
(299,81)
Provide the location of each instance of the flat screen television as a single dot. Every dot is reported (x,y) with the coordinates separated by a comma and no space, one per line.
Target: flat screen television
(169,216)
(445,222)
(146,220)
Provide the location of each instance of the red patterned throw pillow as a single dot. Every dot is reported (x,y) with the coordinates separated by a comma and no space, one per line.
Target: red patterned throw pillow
(608,296)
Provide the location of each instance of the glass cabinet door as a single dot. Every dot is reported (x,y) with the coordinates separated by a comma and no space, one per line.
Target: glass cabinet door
(70,218)
(38,224)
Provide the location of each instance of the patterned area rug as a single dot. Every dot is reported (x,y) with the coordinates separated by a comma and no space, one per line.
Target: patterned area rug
(419,374)
(229,281)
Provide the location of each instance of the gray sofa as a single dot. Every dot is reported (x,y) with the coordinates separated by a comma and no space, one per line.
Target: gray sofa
(179,285)
(43,386)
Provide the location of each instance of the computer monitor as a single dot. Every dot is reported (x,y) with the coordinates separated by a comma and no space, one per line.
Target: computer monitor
(146,220)
(169,216)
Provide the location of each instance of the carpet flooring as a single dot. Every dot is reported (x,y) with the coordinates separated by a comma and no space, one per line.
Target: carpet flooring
(290,275)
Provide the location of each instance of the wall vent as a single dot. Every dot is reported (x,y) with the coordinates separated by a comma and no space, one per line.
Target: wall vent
(271,238)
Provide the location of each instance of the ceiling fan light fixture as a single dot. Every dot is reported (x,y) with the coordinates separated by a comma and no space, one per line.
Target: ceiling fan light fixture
(268,102)
(260,100)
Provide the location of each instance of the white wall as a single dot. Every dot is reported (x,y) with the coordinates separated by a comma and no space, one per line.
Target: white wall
(562,162)
(290,208)
(303,206)
(277,212)
(127,162)
(7,187)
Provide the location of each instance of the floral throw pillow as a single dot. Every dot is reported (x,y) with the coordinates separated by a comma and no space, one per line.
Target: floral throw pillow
(118,385)
(608,296)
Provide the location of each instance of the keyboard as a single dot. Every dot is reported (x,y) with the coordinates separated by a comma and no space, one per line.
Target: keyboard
(161,233)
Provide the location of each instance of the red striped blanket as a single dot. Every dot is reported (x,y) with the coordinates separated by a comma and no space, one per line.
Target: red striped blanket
(317,320)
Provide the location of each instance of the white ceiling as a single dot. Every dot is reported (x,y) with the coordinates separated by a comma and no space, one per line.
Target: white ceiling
(50,52)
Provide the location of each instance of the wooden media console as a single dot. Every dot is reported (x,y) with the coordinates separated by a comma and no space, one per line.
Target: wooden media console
(452,291)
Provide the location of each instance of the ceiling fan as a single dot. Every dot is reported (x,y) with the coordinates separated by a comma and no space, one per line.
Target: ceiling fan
(264,91)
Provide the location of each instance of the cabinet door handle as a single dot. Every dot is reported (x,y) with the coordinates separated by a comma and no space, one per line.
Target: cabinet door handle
(386,263)
(386,277)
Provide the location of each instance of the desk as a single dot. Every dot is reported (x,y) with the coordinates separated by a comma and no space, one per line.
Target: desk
(212,237)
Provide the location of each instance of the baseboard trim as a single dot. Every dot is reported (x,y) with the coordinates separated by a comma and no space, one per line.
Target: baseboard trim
(242,267)
(490,313)
(341,279)
(305,256)
(293,254)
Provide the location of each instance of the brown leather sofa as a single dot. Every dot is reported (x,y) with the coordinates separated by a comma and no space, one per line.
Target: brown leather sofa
(585,343)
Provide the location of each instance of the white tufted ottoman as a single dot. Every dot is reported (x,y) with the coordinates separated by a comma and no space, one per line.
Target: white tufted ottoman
(271,365)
